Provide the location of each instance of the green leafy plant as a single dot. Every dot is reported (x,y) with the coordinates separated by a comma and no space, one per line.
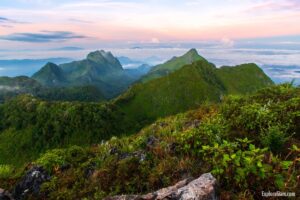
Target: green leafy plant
(238,163)
(210,130)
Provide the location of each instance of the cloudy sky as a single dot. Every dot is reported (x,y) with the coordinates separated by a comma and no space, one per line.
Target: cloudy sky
(57,22)
(225,31)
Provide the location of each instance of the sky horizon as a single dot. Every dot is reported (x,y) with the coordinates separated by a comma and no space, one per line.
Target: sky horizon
(87,24)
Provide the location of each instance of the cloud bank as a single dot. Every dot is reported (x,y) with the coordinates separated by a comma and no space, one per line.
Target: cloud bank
(44,36)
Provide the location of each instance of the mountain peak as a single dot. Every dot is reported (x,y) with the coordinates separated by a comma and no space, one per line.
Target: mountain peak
(172,65)
(100,55)
(105,58)
(193,55)
(192,51)
(50,74)
(51,65)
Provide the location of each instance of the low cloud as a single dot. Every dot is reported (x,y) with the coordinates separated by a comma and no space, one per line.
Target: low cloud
(226,42)
(276,5)
(80,21)
(6,26)
(44,36)
(155,40)
(67,49)
(8,88)
(4,20)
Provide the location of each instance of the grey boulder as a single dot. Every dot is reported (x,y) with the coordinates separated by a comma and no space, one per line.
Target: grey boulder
(202,188)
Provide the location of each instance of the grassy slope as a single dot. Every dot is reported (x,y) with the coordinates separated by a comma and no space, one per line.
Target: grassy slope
(189,87)
(82,94)
(243,78)
(174,93)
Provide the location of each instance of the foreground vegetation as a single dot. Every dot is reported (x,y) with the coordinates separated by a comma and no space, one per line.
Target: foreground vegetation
(250,144)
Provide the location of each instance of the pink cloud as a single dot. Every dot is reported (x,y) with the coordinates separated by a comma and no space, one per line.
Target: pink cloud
(276,6)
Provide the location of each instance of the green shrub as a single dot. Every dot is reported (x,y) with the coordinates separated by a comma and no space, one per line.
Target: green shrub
(255,117)
(52,159)
(6,171)
(210,130)
(237,164)
(76,154)
(274,139)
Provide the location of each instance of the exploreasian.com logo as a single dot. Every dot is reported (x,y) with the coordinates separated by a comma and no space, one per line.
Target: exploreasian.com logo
(278,194)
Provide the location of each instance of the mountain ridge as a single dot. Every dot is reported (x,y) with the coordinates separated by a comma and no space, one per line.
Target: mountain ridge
(172,65)
(188,87)
(99,68)
(50,75)
(104,71)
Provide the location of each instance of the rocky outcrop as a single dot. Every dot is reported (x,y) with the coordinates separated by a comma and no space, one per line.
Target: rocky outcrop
(141,155)
(31,183)
(203,188)
(5,195)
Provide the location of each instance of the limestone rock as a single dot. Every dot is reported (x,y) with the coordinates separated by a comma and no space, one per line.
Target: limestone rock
(203,188)
(31,182)
(5,195)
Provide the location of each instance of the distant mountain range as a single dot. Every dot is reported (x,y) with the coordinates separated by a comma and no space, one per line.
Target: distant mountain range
(27,67)
(129,63)
(100,69)
(189,77)
(132,63)
(100,72)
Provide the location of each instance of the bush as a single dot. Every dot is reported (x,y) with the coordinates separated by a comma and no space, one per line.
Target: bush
(210,130)
(76,154)
(52,159)
(6,171)
(274,139)
(242,165)
(233,162)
